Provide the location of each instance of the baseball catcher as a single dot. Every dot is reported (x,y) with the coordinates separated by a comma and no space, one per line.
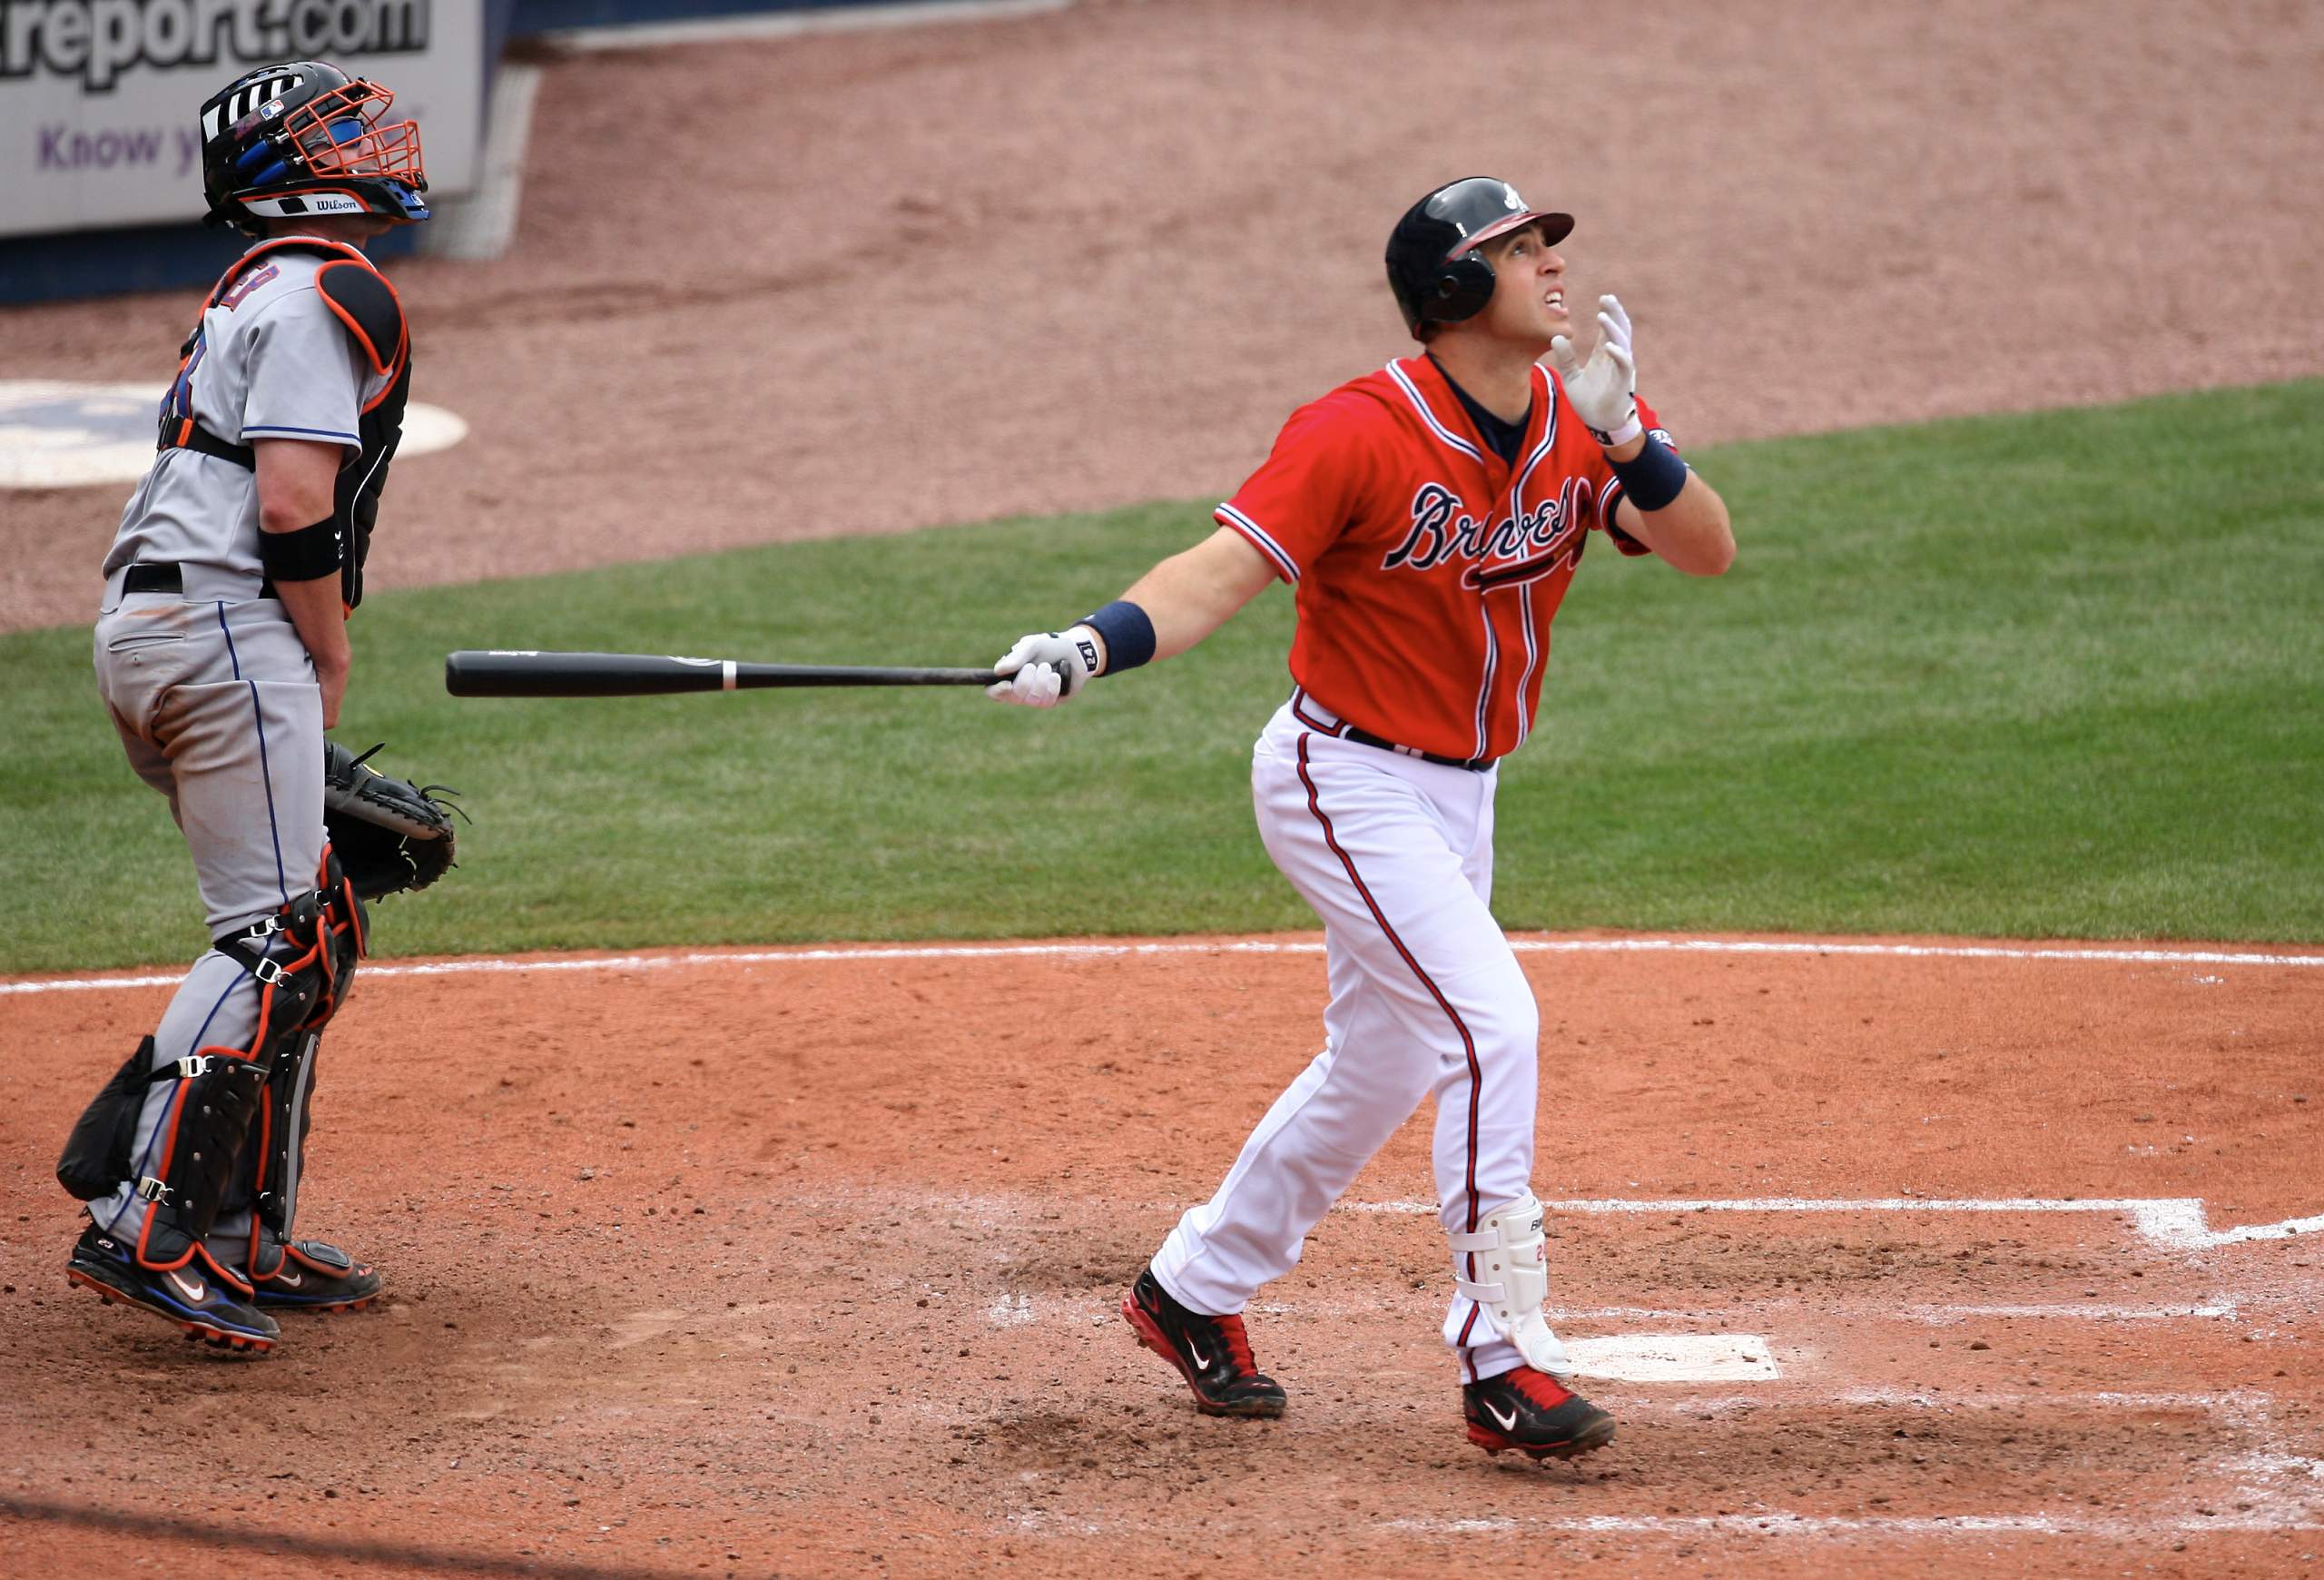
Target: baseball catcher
(223,656)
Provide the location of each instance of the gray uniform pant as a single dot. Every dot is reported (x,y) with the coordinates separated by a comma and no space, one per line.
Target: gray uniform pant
(218,709)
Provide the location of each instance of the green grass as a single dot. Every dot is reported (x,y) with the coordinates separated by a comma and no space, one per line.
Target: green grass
(2048,676)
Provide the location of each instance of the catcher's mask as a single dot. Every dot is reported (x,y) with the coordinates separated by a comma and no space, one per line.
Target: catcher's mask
(302,139)
(1432,265)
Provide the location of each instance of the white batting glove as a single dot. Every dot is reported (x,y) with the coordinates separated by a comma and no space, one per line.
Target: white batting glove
(1604,390)
(1048,667)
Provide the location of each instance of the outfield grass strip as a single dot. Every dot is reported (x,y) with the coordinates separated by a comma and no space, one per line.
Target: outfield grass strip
(2052,676)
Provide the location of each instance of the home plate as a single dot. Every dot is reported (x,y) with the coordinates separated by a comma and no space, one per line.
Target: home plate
(1674,1357)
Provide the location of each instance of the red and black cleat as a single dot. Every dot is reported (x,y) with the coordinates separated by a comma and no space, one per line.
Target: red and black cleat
(1532,1413)
(188,1296)
(310,1275)
(1212,1353)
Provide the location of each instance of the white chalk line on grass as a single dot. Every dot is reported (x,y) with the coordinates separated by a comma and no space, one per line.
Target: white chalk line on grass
(2168,1222)
(617,963)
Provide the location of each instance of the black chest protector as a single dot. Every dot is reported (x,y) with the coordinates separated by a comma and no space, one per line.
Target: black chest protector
(359,296)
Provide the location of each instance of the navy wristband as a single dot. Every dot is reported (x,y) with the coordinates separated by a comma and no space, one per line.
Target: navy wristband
(312,551)
(1128,634)
(1654,477)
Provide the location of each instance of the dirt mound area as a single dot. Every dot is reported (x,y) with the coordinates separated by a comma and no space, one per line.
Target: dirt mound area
(861,283)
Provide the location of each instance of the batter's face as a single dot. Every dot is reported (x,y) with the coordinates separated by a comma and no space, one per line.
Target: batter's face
(1529,289)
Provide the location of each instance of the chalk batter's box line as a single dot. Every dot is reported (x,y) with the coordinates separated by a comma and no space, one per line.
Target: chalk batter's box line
(2173,1224)
(1775,947)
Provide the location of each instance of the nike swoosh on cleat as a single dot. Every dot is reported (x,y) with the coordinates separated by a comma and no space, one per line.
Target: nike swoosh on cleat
(1202,1361)
(1508,1422)
(287,1279)
(189,1287)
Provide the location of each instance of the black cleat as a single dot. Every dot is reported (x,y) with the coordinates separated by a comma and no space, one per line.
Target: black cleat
(1212,1353)
(314,1276)
(1532,1413)
(188,1296)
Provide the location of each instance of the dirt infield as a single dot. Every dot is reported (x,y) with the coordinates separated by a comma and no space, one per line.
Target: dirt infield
(805,1262)
(862,283)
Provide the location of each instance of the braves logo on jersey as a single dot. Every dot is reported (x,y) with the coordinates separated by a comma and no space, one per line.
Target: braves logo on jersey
(1524,545)
(1428,568)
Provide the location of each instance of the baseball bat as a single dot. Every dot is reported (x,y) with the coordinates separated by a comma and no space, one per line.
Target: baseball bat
(499,673)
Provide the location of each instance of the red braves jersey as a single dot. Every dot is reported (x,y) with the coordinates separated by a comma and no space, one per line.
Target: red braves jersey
(1427,568)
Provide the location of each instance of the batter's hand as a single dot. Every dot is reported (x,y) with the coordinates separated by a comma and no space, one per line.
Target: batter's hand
(1604,390)
(1049,668)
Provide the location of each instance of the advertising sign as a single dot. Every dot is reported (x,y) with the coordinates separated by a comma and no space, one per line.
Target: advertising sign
(97,97)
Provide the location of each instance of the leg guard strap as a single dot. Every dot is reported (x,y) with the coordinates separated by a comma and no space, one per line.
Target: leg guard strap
(1504,1269)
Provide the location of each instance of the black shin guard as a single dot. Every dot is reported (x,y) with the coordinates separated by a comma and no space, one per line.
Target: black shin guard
(278,1154)
(221,1092)
(203,1132)
(281,1146)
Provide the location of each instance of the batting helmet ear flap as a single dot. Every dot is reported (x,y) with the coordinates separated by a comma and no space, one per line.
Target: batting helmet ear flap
(1462,288)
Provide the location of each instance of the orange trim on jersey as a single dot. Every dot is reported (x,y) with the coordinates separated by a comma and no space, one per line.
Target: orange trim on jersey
(235,270)
(383,366)
(389,369)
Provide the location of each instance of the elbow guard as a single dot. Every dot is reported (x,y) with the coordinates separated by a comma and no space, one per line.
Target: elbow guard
(305,554)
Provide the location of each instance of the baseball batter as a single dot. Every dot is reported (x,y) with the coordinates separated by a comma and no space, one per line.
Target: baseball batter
(222,653)
(1430,517)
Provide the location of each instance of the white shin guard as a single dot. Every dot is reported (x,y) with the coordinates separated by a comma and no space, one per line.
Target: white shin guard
(1512,1280)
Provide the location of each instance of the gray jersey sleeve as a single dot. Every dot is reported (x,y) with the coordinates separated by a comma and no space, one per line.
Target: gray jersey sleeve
(303,379)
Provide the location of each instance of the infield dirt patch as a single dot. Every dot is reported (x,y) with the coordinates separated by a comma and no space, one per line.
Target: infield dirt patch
(808,1263)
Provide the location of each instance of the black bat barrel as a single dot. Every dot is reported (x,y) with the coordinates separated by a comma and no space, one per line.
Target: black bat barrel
(499,673)
(512,672)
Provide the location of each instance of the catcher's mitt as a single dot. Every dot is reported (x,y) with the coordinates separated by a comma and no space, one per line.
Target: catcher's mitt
(388,834)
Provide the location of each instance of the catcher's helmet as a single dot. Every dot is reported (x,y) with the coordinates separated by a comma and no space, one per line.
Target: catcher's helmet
(1432,262)
(303,138)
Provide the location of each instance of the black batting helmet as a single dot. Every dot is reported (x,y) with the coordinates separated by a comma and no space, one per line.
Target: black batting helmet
(1432,267)
(303,138)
